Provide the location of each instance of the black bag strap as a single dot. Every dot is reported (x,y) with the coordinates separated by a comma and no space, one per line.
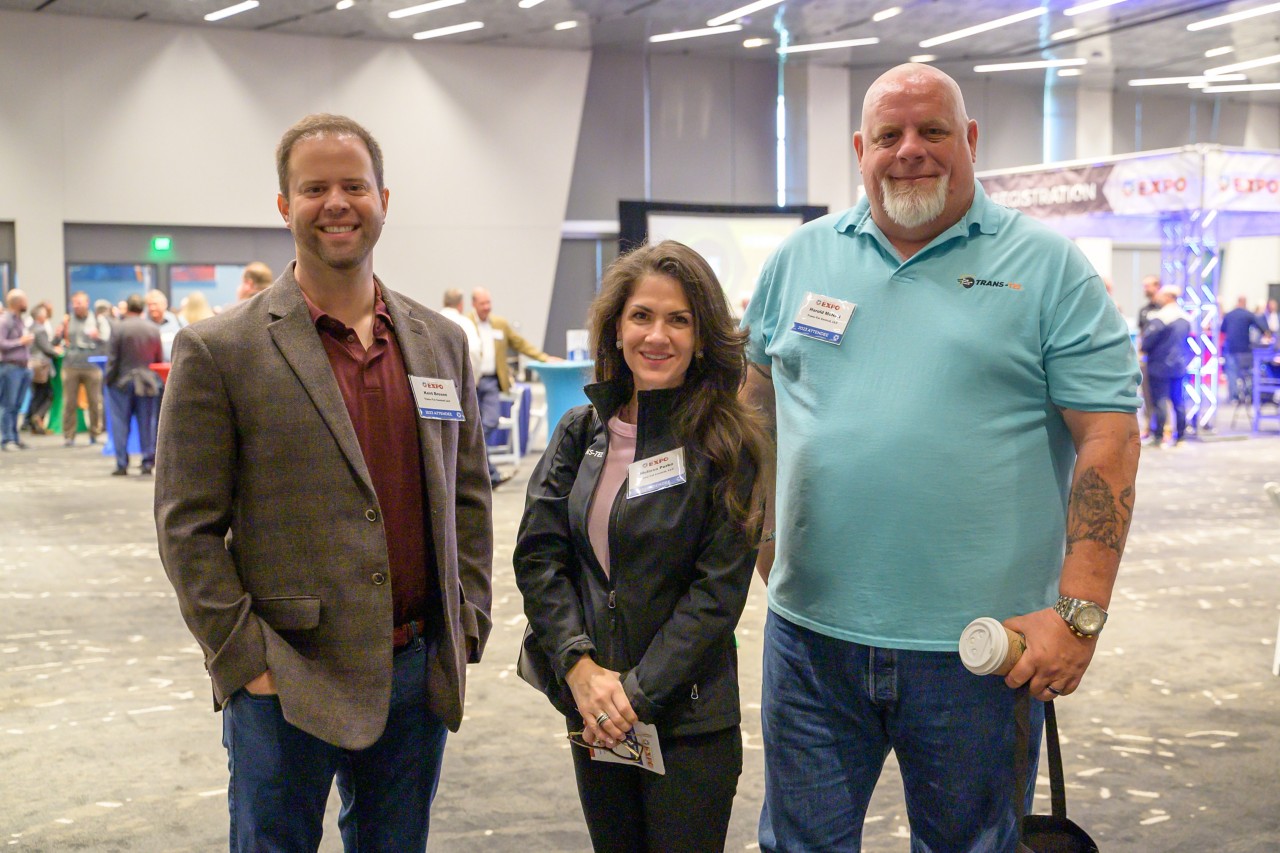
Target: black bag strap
(1022,758)
(1057,787)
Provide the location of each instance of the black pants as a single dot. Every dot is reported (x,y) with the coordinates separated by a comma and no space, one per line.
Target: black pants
(41,401)
(630,810)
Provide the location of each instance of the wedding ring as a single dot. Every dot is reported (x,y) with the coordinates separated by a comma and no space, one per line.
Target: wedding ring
(602,718)
(1055,691)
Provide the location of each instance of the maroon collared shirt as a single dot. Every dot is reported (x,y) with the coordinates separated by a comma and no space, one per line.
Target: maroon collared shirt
(375,388)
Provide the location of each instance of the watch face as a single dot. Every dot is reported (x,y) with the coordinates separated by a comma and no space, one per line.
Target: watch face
(1089,619)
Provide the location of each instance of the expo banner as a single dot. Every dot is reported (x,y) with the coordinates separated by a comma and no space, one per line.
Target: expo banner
(1242,181)
(1145,185)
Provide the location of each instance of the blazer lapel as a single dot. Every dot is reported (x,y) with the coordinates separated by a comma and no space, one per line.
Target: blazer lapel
(418,352)
(296,337)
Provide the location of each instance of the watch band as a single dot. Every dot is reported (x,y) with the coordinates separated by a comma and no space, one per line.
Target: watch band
(1069,609)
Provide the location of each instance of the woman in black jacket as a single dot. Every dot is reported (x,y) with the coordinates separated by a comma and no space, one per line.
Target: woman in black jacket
(636,553)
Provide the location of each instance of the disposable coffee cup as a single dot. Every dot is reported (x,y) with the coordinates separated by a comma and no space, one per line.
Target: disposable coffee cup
(989,648)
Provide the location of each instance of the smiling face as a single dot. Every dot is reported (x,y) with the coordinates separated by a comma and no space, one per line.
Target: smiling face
(657,333)
(334,207)
(916,152)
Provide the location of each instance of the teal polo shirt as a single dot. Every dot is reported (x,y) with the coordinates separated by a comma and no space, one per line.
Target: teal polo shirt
(923,465)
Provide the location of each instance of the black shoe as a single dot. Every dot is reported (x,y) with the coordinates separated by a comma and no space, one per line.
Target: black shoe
(120,472)
(146,469)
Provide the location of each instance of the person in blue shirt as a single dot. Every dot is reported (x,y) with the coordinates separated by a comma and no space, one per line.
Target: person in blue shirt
(1238,328)
(954,398)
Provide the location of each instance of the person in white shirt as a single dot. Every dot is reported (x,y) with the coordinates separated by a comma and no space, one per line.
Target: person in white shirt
(453,310)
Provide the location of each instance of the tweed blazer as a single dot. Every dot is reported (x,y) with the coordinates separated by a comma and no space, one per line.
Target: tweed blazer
(270,529)
(505,337)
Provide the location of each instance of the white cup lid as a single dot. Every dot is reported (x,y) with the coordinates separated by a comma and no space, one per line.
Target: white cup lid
(983,646)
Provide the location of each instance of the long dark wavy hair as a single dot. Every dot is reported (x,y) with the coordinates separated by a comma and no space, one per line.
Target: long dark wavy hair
(708,414)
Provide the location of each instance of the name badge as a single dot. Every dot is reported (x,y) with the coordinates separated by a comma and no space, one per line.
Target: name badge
(823,318)
(655,473)
(437,399)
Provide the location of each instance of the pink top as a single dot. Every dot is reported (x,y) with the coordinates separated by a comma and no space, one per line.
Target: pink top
(622,452)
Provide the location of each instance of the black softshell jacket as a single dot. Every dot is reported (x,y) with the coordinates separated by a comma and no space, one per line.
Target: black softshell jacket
(680,572)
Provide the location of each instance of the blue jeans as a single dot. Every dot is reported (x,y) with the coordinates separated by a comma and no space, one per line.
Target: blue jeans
(14,381)
(124,405)
(489,399)
(280,775)
(1240,373)
(833,709)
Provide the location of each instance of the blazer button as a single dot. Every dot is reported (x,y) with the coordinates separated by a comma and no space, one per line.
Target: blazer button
(371,514)
(379,578)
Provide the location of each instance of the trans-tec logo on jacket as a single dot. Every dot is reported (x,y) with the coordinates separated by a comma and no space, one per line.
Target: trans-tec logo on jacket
(968,281)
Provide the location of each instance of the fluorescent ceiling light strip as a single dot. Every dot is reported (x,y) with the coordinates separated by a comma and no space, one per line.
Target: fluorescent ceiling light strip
(448,31)
(756,42)
(566,25)
(528,4)
(982,28)
(886,14)
(231,10)
(827,45)
(741,12)
(1218,51)
(1023,66)
(1070,72)
(693,34)
(1090,7)
(1233,17)
(1190,81)
(1244,87)
(1064,34)
(344,4)
(1241,66)
(922,58)
(425,7)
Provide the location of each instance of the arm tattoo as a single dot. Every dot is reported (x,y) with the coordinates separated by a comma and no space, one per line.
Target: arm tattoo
(1096,514)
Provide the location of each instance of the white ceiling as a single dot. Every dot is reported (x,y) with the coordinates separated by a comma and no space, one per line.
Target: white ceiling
(1133,39)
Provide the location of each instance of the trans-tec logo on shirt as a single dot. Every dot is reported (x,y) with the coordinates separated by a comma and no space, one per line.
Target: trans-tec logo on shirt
(968,281)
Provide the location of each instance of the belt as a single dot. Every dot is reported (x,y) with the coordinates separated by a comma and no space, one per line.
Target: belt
(402,635)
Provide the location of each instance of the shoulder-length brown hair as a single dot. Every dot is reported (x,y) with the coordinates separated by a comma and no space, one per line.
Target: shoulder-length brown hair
(708,414)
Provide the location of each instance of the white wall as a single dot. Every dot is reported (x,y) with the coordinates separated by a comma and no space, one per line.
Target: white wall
(138,123)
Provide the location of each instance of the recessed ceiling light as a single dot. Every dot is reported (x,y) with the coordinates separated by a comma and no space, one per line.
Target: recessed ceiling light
(1089,7)
(826,45)
(757,42)
(345,4)
(922,57)
(886,14)
(1190,81)
(448,31)
(231,10)
(528,4)
(424,7)
(1026,66)
(741,12)
(1233,17)
(693,34)
(982,28)
(1064,34)
(1070,72)
(1244,87)
(1242,66)
(566,25)
(1218,51)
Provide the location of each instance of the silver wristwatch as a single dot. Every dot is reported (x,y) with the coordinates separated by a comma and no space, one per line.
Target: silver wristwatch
(1084,618)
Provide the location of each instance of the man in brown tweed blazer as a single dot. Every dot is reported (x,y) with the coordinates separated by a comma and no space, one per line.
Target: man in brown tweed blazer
(323,511)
